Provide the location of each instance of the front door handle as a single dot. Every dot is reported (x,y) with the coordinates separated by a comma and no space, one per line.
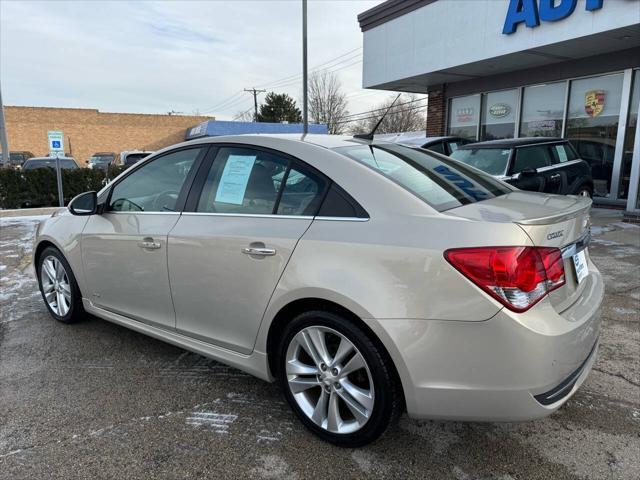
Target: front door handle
(554,176)
(149,244)
(262,251)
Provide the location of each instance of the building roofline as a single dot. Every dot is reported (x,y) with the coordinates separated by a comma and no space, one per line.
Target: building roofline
(388,11)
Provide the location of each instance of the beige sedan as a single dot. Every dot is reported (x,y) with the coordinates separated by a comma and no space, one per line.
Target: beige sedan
(367,278)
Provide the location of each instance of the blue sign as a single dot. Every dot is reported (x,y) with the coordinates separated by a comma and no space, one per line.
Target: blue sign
(55,143)
(532,12)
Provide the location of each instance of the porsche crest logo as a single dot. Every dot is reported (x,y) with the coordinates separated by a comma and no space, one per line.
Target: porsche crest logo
(594,102)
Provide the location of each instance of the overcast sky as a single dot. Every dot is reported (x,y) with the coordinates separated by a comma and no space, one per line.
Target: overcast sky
(153,57)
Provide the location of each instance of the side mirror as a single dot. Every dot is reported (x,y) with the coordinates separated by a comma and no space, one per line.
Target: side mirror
(84,204)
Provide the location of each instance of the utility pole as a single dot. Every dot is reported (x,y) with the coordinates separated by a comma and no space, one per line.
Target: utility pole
(255,93)
(305,117)
(3,134)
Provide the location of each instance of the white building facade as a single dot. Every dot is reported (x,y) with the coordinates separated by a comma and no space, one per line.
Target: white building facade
(516,68)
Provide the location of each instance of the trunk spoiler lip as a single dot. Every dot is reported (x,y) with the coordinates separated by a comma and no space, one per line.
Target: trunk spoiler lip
(577,210)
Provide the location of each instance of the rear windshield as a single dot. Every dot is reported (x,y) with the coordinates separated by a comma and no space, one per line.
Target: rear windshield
(490,160)
(101,159)
(33,164)
(135,158)
(440,182)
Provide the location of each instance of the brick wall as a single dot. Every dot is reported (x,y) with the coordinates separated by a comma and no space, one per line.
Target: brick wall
(87,131)
(436,111)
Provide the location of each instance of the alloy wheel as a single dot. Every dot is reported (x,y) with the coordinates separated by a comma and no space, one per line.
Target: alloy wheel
(55,285)
(330,379)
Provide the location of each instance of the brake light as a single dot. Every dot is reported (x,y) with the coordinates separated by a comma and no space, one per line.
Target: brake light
(518,277)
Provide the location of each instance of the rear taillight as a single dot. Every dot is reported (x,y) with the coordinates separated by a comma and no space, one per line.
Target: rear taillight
(518,277)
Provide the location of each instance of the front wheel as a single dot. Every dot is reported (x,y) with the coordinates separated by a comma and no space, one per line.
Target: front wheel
(584,191)
(59,287)
(337,380)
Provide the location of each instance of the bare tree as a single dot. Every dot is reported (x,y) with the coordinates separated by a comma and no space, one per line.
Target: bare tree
(407,115)
(327,101)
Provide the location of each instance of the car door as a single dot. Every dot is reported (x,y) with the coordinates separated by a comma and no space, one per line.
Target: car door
(573,171)
(243,219)
(530,169)
(124,249)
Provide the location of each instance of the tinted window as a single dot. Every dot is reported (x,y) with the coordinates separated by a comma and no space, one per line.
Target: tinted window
(562,153)
(48,163)
(154,187)
(437,147)
(256,182)
(339,203)
(490,160)
(528,158)
(443,184)
(302,193)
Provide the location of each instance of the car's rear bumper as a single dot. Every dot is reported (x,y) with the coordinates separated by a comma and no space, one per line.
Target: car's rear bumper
(512,367)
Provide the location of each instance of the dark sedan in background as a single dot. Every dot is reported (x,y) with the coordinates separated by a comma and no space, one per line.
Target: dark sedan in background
(537,164)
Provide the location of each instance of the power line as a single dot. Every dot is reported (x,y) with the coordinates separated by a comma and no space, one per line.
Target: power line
(385,108)
(255,93)
(232,100)
(376,116)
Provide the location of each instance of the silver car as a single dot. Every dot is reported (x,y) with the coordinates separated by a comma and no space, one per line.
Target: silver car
(367,278)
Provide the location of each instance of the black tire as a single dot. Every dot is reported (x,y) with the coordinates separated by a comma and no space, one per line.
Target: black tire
(389,401)
(76,310)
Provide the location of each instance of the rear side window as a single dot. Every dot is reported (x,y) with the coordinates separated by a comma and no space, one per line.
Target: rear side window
(249,181)
(528,158)
(562,153)
(441,183)
(493,161)
(437,147)
(339,203)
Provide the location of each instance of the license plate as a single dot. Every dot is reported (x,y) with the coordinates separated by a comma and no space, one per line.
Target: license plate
(580,264)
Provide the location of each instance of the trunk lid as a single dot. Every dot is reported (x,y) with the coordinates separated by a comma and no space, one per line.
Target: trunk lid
(549,221)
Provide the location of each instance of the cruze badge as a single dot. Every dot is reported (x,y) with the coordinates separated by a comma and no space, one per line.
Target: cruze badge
(553,235)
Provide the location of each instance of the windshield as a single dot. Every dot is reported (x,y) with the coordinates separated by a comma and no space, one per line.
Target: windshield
(440,182)
(100,159)
(490,160)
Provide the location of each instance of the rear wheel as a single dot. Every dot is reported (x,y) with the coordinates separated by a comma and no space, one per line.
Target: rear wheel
(338,382)
(58,286)
(584,191)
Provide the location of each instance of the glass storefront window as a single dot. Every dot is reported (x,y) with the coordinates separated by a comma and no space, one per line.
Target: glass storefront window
(629,137)
(464,113)
(498,115)
(592,125)
(543,110)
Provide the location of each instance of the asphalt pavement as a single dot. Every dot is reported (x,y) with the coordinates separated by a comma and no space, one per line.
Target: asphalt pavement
(95,400)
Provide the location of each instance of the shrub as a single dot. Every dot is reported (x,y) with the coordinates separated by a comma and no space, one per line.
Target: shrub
(38,187)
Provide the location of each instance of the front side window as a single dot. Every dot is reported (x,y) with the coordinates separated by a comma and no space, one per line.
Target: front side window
(249,181)
(443,184)
(490,160)
(156,186)
(531,158)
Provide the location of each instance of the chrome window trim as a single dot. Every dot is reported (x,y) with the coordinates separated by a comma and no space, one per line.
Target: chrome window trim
(133,212)
(342,219)
(251,215)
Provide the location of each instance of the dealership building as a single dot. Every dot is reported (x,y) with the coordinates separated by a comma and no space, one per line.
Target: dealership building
(518,68)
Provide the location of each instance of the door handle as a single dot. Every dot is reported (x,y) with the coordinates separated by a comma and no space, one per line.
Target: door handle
(262,251)
(149,244)
(554,176)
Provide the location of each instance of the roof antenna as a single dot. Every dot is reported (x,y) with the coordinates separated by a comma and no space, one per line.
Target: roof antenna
(369,136)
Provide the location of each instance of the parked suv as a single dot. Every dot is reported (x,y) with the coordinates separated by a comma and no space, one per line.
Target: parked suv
(101,160)
(548,165)
(16,159)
